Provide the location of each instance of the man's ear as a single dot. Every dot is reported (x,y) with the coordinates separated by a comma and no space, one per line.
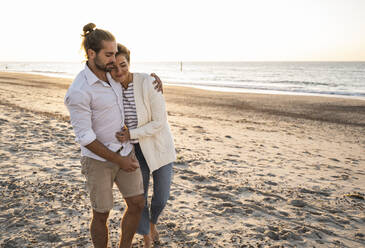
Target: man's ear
(91,53)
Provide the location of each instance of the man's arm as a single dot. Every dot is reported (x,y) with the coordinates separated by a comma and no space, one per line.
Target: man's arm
(157,83)
(78,104)
(127,164)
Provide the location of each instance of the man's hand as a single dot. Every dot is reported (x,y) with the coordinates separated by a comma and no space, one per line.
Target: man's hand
(123,135)
(128,164)
(157,83)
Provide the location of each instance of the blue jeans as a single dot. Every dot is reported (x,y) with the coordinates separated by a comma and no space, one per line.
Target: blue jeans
(161,191)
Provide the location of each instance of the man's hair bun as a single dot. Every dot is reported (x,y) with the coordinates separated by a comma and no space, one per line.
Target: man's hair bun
(88,28)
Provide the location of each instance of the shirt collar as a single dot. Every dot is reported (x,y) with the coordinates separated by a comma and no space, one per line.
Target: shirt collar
(90,76)
(110,79)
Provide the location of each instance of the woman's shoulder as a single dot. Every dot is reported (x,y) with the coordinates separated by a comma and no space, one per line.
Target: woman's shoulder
(142,77)
(144,80)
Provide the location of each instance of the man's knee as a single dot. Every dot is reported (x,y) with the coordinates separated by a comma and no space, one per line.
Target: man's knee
(135,203)
(100,217)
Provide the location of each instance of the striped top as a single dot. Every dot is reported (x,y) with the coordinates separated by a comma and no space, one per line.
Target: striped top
(130,113)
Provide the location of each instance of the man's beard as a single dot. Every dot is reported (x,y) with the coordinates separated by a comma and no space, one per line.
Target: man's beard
(102,67)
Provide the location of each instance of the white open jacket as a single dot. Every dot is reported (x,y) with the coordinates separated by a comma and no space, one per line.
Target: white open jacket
(153,131)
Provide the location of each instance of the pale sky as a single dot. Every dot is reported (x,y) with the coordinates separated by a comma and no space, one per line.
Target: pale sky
(188,30)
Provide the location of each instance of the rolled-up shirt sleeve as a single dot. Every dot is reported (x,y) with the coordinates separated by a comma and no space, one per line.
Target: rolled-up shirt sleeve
(78,104)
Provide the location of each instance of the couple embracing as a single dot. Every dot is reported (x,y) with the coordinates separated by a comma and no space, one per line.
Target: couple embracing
(120,121)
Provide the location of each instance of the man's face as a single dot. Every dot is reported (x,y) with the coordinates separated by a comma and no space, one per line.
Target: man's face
(105,58)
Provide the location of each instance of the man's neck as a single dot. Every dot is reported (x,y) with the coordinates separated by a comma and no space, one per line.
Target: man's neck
(98,73)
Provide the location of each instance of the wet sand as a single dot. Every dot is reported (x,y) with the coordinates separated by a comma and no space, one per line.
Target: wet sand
(253,170)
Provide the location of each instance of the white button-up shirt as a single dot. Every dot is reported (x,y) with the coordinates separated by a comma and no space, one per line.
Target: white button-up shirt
(96,112)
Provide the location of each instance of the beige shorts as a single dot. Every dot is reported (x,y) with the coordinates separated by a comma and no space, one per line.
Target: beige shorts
(100,177)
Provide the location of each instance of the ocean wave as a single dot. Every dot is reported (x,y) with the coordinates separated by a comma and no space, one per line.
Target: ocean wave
(301,83)
(49,72)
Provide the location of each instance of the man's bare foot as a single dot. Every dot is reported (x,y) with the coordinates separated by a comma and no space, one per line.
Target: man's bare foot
(147,241)
(154,234)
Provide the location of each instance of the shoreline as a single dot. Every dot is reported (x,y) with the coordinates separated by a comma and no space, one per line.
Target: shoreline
(216,88)
(264,92)
(307,107)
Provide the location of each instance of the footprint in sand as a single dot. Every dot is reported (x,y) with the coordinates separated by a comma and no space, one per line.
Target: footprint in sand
(200,178)
(335,159)
(298,203)
(271,183)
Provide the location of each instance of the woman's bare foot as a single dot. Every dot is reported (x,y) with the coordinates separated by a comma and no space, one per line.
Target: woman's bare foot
(147,241)
(154,234)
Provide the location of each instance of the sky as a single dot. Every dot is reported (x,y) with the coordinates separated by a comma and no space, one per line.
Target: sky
(189,30)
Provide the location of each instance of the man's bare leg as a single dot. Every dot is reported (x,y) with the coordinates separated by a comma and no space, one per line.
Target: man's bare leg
(99,229)
(131,218)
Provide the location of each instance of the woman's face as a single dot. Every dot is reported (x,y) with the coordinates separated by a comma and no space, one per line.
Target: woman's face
(120,71)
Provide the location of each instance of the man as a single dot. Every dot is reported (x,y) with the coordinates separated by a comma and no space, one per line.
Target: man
(95,103)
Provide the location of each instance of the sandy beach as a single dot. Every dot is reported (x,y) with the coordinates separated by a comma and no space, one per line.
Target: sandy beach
(253,170)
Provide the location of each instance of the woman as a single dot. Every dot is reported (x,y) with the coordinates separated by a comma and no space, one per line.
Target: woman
(148,129)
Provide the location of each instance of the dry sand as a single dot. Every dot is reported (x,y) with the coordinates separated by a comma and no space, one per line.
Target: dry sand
(252,171)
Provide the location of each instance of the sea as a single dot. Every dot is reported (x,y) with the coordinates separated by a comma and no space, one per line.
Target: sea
(340,79)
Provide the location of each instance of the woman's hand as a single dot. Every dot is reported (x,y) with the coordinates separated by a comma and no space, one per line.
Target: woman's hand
(123,135)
